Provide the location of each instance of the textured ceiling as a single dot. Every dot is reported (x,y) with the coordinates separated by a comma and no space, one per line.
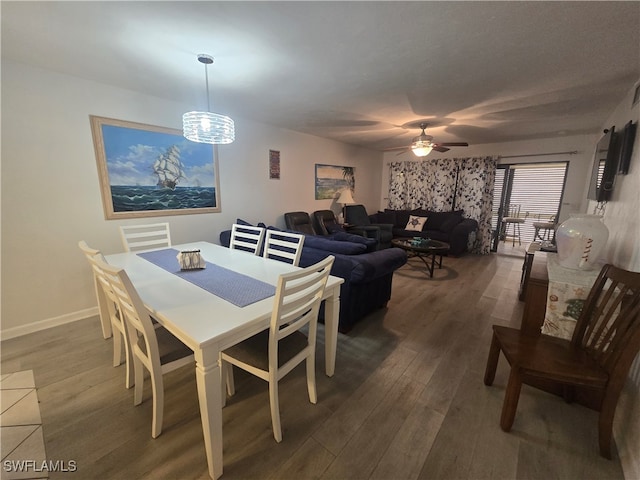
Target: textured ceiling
(364,73)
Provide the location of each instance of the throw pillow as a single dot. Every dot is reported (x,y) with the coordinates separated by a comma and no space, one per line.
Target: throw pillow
(415,223)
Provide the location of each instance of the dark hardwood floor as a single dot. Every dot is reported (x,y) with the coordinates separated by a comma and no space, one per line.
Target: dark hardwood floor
(407,400)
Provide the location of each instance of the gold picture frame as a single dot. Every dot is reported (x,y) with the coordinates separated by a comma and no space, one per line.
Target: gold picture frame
(151,171)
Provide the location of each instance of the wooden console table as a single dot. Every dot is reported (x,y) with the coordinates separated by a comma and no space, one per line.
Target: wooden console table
(535,285)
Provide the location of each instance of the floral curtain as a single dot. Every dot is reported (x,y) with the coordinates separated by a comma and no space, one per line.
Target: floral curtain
(431,184)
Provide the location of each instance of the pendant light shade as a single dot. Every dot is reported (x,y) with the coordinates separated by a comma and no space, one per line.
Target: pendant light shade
(208,127)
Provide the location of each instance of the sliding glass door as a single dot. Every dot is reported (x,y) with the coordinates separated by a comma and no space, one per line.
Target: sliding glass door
(536,187)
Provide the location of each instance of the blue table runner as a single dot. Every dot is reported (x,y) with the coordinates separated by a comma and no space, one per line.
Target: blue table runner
(236,288)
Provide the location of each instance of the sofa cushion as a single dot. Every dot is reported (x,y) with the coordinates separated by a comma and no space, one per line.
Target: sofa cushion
(335,246)
(436,219)
(451,221)
(343,236)
(402,217)
(388,216)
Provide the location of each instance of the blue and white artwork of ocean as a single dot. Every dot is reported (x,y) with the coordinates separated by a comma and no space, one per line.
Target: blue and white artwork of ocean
(140,198)
(157,171)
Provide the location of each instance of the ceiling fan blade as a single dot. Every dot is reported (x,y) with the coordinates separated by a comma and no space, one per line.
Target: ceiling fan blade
(404,150)
(454,144)
(439,148)
(394,148)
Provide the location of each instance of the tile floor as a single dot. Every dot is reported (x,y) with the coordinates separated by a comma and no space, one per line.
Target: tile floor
(21,439)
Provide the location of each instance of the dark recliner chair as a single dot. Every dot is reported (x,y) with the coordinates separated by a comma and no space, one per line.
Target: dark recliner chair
(325,222)
(299,222)
(359,223)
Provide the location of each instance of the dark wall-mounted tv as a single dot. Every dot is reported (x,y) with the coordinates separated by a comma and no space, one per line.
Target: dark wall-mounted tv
(627,138)
(605,165)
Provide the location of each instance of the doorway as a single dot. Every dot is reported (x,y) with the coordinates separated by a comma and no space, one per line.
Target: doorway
(537,188)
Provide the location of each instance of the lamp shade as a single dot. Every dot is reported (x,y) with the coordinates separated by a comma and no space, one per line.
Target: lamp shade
(345,197)
(421,150)
(207,127)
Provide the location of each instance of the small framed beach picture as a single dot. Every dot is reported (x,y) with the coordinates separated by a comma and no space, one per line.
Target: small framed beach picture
(150,171)
(332,179)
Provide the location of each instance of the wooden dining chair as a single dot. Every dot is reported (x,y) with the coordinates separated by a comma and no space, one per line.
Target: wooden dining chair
(605,342)
(283,246)
(145,237)
(108,302)
(155,349)
(273,353)
(247,238)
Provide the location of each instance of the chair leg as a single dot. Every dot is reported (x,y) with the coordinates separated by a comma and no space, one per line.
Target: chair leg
(117,348)
(138,382)
(492,362)
(511,397)
(157,388)
(275,409)
(311,379)
(605,421)
(129,375)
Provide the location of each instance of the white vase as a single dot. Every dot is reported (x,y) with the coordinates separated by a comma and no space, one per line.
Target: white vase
(580,240)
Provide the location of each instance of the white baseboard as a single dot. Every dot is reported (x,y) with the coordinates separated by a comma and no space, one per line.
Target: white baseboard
(48,323)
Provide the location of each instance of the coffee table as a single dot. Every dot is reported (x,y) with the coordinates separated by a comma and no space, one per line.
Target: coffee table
(424,251)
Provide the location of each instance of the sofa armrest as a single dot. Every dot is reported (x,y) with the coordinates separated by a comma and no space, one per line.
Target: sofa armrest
(459,236)
(467,225)
(385,227)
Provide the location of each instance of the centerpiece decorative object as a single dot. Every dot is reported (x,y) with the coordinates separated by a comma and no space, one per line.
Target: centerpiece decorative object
(191,260)
(420,242)
(580,239)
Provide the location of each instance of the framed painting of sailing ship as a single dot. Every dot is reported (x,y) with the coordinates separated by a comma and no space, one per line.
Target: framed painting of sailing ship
(150,171)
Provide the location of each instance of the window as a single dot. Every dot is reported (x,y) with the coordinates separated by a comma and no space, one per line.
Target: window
(536,187)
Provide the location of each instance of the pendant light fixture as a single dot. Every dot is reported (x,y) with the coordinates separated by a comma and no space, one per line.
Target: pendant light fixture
(207,127)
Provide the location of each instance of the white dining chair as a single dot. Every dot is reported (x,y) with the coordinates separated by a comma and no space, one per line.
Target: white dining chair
(105,323)
(283,246)
(247,238)
(145,237)
(273,353)
(155,349)
(108,303)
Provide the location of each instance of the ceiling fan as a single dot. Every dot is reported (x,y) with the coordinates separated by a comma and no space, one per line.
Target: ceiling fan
(423,144)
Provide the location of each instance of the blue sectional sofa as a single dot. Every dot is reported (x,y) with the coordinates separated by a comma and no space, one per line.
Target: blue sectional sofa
(367,274)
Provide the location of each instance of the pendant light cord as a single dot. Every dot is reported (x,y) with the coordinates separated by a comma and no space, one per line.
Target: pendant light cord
(206,79)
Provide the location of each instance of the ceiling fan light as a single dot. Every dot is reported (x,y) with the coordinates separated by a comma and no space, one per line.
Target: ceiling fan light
(421,149)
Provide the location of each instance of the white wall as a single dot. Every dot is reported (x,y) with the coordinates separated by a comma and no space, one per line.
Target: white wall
(51,194)
(622,217)
(579,164)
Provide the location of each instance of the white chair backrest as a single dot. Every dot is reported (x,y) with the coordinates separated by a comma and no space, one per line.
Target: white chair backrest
(136,317)
(283,246)
(247,238)
(96,262)
(296,304)
(103,305)
(145,237)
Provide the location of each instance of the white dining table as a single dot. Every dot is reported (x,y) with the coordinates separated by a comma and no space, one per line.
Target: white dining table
(208,324)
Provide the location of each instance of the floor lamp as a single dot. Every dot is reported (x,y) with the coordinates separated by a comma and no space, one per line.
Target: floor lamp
(345,198)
